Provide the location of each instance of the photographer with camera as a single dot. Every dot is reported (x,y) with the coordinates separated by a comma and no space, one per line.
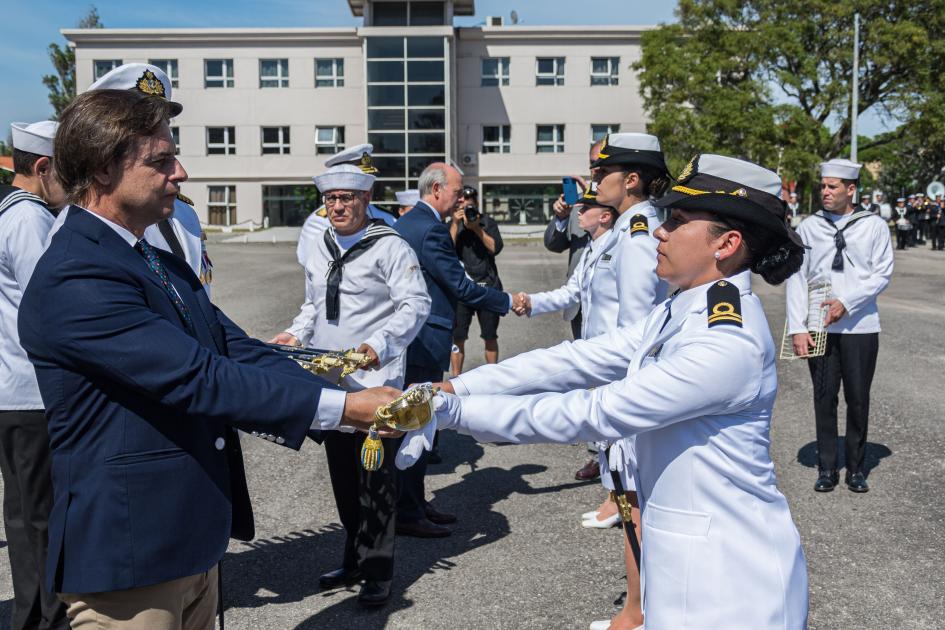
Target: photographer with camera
(478,241)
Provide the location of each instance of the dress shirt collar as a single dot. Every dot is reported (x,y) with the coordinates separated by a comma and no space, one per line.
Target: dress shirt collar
(121,231)
(645,208)
(436,214)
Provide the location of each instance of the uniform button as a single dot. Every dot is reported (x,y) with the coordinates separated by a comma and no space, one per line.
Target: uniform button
(280,440)
(219,444)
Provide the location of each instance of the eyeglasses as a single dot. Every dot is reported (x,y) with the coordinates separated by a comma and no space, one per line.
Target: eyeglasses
(345,199)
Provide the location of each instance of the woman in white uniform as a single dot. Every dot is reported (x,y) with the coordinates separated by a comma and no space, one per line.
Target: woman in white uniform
(695,382)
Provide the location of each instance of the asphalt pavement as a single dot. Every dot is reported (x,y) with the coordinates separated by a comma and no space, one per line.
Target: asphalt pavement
(518,557)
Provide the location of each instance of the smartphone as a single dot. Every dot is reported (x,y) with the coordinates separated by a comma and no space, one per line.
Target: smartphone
(569,187)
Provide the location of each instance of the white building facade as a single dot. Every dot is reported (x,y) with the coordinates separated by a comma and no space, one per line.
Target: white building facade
(514,107)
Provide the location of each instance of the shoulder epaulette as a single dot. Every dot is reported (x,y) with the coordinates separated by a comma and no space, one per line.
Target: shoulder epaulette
(725,304)
(185,199)
(322,212)
(639,225)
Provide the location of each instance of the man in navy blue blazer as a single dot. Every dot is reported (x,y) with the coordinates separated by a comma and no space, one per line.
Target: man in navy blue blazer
(428,356)
(145,382)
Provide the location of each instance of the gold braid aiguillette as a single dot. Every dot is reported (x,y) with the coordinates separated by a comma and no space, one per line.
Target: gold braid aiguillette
(410,411)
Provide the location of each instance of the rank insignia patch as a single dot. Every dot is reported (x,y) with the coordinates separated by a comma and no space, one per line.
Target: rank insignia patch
(639,225)
(687,172)
(725,304)
(150,84)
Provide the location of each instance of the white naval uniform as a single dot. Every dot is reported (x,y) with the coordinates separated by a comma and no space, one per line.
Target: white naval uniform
(867,268)
(383,303)
(721,550)
(631,260)
(23,229)
(186,227)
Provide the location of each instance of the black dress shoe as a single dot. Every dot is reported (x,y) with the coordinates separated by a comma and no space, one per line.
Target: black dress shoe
(591,470)
(374,593)
(827,480)
(856,482)
(422,528)
(439,518)
(340,577)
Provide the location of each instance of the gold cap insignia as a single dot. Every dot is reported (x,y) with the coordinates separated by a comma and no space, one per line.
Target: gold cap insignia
(741,192)
(150,84)
(687,171)
(366,164)
(600,153)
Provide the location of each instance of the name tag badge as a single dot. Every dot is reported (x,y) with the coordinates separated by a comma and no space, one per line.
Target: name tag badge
(606,260)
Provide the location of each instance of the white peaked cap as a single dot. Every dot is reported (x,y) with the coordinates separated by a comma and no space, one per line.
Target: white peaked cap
(142,77)
(408,197)
(636,141)
(343,177)
(37,138)
(740,171)
(840,168)
(353,154)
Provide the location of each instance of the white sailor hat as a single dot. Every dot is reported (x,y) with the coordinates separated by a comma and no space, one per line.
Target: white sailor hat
(912,196)
(898,199)
(142,77)
(408,198)
(793,193)
(728,186)
(919,194)
(344,177)
(359,156)
(840,168)
(36,138)
(631,148)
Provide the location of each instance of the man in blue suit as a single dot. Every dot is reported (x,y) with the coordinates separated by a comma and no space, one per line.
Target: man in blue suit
(145,382)
(428,356)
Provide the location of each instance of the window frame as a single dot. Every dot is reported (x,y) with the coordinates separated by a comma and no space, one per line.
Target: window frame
(334,80)
(338,140)
(95,74)
(503,145)
(281,77)
(556,143)
(226,78)
(611,128)
(501,76)
(175,134)
(609,78)
(229,141)
(556,76)
(228,204)
(283,145)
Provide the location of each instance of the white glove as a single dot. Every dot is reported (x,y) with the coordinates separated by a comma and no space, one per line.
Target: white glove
(447,408)
(617,457)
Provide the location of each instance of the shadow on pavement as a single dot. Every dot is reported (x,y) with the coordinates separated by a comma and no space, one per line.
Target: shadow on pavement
(875,453)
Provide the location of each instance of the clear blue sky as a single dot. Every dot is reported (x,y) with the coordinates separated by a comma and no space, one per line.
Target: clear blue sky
(31,25)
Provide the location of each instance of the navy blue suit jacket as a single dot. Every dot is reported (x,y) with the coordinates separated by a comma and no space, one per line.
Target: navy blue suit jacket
(447,284)
(148,479)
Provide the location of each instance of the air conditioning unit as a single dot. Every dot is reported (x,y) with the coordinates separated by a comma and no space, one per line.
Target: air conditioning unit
(495,20)
(469,159)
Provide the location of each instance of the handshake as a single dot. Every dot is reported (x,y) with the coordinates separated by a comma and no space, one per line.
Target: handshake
(521,304)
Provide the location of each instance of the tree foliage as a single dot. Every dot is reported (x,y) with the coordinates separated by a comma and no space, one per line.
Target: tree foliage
(771,80)
(61,85)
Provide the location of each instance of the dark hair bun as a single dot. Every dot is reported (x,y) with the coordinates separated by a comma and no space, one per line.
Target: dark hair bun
(779,264)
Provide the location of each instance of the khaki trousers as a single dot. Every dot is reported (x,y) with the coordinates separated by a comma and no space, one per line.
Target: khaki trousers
(188,603)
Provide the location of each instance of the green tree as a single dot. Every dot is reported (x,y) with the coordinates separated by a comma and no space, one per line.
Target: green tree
(61,85)
(6,148)
(770,80)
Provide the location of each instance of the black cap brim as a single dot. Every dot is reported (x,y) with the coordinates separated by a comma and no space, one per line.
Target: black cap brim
(741,208)
(176,108)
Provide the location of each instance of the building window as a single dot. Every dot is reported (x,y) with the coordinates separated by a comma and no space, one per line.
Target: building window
(599,132)
(550,139)
(273,73)
(329,73)
(605,70)
(497,139)
(275,140)
(169,66)
(221,140)
(175,134)
(289,205)
(549,71)
(427,13)
(221,205)
(329,139)
(101,67)
(218,73)
(495,71)
(408,13)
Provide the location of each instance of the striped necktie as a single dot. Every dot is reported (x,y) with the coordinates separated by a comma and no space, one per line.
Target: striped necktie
(151,258)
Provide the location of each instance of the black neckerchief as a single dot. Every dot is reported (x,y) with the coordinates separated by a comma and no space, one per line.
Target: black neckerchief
(838,239)
(376,230)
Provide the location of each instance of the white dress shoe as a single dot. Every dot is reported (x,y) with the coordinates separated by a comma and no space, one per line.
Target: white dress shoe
(588,515)
(600,625)
(607,523)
